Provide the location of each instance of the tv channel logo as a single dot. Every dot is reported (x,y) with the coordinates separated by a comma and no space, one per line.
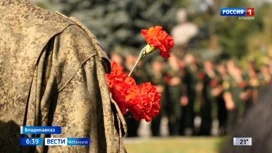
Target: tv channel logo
(248,12)
(55,141)
(67,141)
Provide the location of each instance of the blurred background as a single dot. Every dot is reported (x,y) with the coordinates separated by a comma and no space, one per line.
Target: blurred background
(217,68)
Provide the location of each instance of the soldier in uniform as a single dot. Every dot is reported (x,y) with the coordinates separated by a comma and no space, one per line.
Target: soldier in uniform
(174,89)
(190,80)
(156,77)
(221,107)
(53,73)
(252,80)
(233,95)
(210,90)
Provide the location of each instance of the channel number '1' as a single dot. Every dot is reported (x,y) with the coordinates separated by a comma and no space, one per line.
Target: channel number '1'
(249,11)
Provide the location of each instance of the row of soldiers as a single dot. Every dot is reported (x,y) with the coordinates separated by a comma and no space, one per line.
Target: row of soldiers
(191,88)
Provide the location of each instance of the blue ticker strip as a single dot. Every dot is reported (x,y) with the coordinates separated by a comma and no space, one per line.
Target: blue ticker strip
(40,130)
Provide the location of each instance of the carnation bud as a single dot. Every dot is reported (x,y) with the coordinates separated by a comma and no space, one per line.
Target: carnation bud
(149,49)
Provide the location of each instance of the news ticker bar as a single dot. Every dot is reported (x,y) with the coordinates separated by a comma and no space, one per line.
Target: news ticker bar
(40,130)
(55,141)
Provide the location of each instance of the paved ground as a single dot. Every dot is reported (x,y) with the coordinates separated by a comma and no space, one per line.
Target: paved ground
(144,129)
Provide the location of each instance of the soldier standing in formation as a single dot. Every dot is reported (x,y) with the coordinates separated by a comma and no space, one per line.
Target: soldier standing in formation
(221,107)
(156,77)
(174,90)
(191,81)
(211,89)
(179,80)
(233,96)
(252,80)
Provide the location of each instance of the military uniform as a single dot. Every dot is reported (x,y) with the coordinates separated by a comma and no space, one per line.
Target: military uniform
(158,80)
(210,82)
(252,89)
(53,73)
(235,88)
(190,80)
(173,101)
(221,106)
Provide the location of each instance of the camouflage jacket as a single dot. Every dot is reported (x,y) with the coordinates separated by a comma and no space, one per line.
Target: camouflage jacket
(52,73)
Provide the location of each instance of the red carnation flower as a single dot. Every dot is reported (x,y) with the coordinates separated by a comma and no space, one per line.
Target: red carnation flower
(158,38)
(146,104)
(116,75)
(121,86)
(142,101)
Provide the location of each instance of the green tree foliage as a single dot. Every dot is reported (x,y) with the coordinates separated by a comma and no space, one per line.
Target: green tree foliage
(233,33)
(259,41)
(119,22)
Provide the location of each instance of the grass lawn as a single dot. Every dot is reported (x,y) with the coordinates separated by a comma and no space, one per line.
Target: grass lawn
(174,145)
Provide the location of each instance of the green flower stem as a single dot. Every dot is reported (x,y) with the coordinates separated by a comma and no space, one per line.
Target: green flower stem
(140,57)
